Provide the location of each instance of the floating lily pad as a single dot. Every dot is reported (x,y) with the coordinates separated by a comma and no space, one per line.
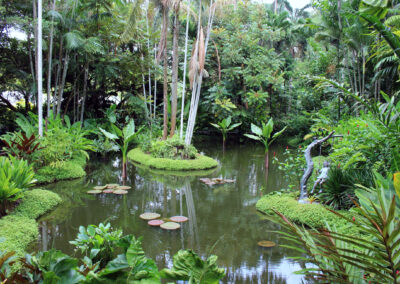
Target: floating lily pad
(149,216)
(266,244)
(95,191)
(108,191)
(212,181)
(179,219)
(120,191)
(155,223)
(112,185)
(100,187)
(123,187)
(170,226)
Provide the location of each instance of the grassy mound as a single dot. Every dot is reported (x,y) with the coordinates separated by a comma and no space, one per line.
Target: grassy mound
(67,170)
(199,163)
(20,228)
(311,215)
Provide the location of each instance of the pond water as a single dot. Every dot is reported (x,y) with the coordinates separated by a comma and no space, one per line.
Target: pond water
(222,219)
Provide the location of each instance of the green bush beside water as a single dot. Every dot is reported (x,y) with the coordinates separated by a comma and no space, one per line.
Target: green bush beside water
(66,170)
(19,229)
(311,215)
(199,163)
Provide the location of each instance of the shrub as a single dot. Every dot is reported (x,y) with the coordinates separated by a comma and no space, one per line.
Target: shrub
(200,163)
(338,189)
(172,148)
(66,170)
(15,177)
(37,202)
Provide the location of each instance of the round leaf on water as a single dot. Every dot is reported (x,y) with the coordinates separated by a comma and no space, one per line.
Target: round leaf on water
(120,191)
(112,185)
(108,191)
(95,191)
(149,216)
(124,187)
(155,223)
(100,187)
(170,226)
(179,219)
(266,244)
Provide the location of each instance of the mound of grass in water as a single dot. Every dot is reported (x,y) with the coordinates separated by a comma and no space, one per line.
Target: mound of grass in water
(67,170)
(199,163)
(311,215)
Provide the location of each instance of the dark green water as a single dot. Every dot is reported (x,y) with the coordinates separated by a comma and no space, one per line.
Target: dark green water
(222,219)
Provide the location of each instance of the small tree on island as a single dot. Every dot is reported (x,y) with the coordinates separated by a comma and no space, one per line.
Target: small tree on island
(225,126)
(263,134)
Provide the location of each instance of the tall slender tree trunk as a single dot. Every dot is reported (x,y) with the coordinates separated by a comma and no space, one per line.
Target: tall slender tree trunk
(60,53)
(61,92)
(184,71)
(85,80)
(40,70)
(49,59)
(165,58)
(148,50)
(175,61)
(35,48)
(32,71)
(155,81)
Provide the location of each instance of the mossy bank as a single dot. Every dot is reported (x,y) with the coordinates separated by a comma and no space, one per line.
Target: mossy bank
(201,162)
(311,215)
(20,228)
(66,170)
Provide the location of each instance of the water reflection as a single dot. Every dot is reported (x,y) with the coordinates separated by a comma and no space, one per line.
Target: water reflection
(222,219)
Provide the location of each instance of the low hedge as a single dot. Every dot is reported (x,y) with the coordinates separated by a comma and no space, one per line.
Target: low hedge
(67,170)
(311,215)
(200,163)
(20,228)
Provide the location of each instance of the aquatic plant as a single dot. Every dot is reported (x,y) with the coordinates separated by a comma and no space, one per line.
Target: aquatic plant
(224,126)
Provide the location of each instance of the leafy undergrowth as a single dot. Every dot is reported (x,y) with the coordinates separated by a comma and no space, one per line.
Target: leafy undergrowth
(311,215)
(19,229)
(67,170)
(199,163)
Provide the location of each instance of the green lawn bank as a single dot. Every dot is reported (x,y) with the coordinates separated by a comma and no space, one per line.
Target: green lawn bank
(20,228)
(199,163)
(310,215)
(67,170)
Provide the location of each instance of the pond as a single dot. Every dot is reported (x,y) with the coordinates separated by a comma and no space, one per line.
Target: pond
(222,219)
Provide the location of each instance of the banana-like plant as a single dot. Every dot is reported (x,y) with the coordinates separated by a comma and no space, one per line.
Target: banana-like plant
(263,134)
(124,137)
(225,126)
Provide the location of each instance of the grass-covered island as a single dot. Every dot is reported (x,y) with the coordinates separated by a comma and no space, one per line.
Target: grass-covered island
(172,155)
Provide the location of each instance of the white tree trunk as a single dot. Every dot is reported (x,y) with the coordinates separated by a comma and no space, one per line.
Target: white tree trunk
(40,69)
(50,57)
(184,71)
(197,86)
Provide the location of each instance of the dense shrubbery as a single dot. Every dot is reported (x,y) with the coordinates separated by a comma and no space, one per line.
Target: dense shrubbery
(102,264)
(15,177)
(171,148)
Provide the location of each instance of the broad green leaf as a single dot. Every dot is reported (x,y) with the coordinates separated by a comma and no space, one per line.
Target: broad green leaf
(234,126)
(129,129)
(108,134)
(187,265)
(215,125)
(253,137)
(256,130)
(228,122)
(396,183)
(268,128)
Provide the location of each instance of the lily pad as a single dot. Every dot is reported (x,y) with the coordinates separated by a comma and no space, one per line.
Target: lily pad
(212,181)
(179,219)
(112,185)
(95,191)
(155,223)
(170,226)
(108,191)
(120,191)
(123,187)
(149,216)
(100,187)
(266,244)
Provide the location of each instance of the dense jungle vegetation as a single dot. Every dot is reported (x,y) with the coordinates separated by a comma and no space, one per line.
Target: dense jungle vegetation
(79,77)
